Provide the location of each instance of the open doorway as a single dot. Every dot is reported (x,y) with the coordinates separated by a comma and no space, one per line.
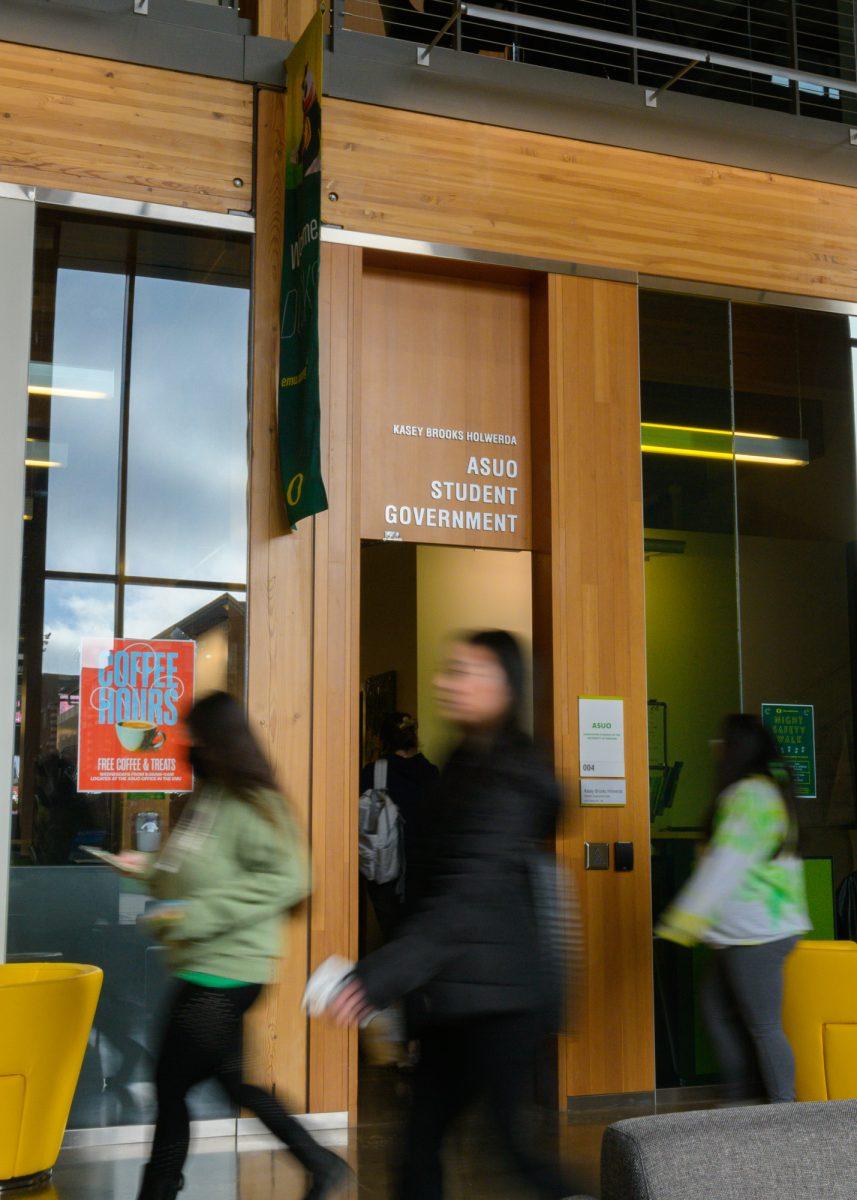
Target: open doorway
(413,599)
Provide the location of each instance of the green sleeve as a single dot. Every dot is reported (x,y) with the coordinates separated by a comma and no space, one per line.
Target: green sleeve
(750,826)
(270,878)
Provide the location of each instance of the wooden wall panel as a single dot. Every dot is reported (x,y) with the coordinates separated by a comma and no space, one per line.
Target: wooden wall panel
(286,19)
(336,671)
(590,508)
(411,175)
(447,353)
(115,129)
(279,620)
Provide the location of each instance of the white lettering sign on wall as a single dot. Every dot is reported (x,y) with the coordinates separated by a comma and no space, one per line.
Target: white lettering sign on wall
(464,504)
(445,413)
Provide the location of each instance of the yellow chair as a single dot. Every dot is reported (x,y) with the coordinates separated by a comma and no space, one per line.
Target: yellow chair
(820,1019)
(46,1013)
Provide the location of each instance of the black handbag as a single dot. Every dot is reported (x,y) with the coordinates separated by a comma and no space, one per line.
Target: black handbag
(559,937)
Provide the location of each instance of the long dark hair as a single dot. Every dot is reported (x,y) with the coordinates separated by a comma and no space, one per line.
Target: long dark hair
(748,749)
(227,751)
(398,732)
(507,650)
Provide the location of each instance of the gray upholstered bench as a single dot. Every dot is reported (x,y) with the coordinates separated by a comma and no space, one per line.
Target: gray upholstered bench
(773,1152)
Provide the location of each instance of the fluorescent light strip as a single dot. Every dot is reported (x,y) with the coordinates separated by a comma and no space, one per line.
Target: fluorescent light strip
(71,393)
(767,437)
(40,453)
(690,441)
(75,383)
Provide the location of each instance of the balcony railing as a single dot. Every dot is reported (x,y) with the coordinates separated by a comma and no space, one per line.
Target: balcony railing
(800,54)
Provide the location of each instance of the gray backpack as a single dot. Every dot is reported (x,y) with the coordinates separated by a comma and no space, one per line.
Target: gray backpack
(380,831)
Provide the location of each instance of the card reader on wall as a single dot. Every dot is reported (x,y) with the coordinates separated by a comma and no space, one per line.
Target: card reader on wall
(623,856)
(597,856)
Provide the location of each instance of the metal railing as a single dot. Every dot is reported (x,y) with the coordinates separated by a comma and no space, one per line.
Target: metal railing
(791,56)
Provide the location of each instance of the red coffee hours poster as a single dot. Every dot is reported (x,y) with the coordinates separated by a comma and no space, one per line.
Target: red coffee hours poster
(133,696)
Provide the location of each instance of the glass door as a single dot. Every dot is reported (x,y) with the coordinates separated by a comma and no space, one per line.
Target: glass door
(749,499)
(692,633)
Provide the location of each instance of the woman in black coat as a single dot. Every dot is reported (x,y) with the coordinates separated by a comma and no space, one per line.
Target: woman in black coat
(469,957)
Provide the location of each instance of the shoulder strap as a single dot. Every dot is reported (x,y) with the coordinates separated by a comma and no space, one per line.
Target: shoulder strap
(379,781)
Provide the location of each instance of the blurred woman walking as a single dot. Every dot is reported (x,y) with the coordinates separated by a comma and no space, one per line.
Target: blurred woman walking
(471,957)
(747,901)
(226,877)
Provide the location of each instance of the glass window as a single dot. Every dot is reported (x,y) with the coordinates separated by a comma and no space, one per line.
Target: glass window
(214,620)
(692,610)
(187,446)
(749,494)
(75,386)
(135,520)
(793,382)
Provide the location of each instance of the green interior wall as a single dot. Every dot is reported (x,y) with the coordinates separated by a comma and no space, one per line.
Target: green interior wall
(692,654)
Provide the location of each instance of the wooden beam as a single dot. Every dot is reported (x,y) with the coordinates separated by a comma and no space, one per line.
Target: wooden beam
(91,125)
(285,19)
(589,606)
(336,667)
(279,618)
(411,175)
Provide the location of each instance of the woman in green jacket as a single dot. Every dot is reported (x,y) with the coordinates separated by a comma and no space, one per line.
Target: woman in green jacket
(229,872)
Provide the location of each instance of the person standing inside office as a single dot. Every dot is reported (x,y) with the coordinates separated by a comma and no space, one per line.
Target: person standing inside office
(747,901)
(411,779)
(231,869)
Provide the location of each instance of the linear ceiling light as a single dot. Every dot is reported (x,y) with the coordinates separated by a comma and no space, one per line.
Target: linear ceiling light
(688,441)
(43,454)
(76,383)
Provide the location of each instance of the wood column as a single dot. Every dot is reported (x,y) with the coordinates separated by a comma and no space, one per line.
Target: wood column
(285,19)
(279,618)
(589,620)
(336,667)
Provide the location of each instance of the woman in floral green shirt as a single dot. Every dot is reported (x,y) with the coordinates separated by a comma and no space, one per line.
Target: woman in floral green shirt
(747,901)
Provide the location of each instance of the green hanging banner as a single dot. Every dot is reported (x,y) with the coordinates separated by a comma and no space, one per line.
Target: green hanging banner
(298,409)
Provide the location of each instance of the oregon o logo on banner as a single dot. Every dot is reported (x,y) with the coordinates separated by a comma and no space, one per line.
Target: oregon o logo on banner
(295,490)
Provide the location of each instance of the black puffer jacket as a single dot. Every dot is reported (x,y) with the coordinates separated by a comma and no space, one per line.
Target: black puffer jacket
(471,948)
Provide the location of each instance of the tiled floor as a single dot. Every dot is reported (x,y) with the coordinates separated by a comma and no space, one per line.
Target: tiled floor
(218,1170)
(256,1172)
(253,1170)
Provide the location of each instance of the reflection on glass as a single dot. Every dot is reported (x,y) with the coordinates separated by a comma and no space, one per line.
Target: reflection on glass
(214,620)
(793,378)
(795,565)
(187,464)
(74,609)
(692,614)
(51,814)
(186,474)
(691,624)
(75,404)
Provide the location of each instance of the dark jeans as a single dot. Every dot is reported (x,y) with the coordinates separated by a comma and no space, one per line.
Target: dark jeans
(203,1039)
(387,905)
(742,1000)
(494,1056)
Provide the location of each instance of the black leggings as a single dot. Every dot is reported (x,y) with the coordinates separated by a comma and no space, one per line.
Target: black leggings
(495,1056)
(203,1039)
